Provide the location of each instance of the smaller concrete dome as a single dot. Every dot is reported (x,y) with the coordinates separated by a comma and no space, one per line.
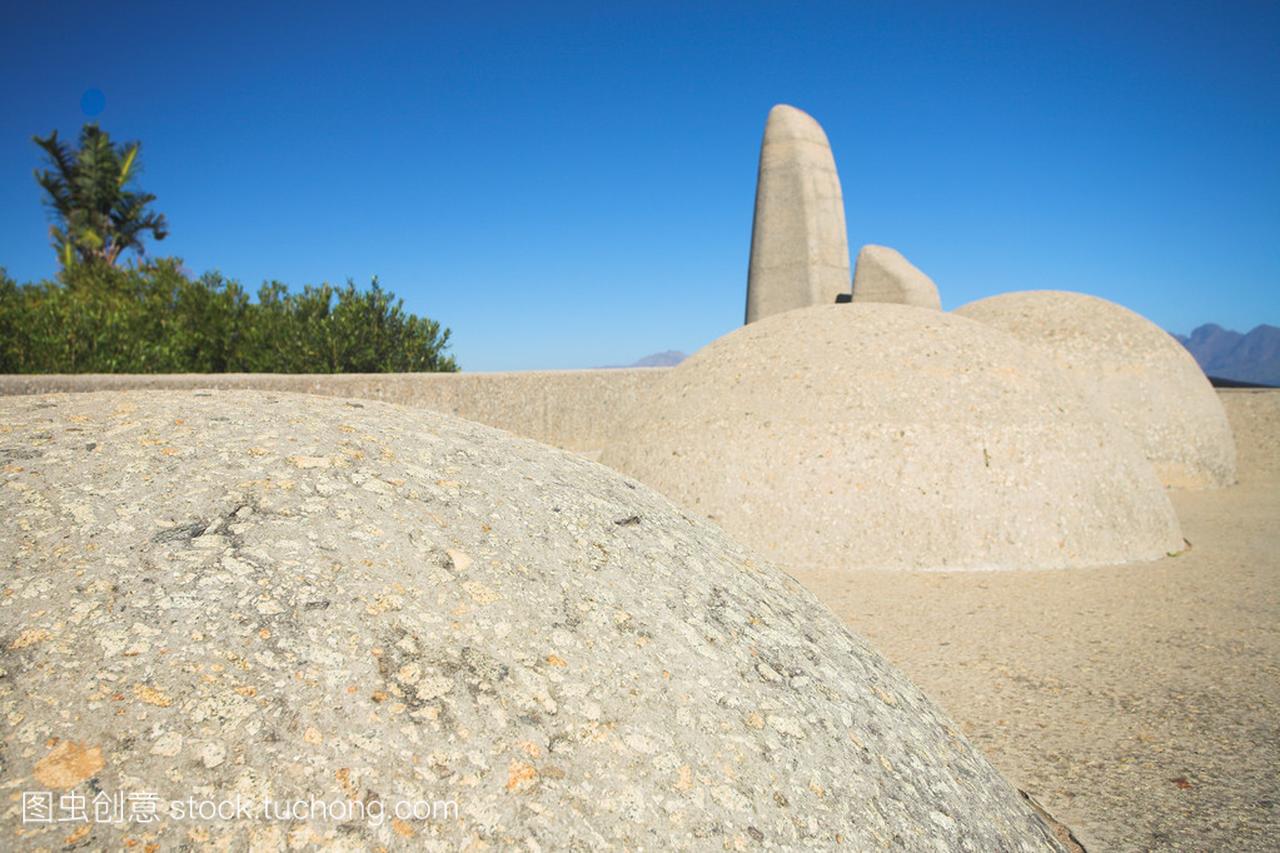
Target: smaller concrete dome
(885,436)
(1131,368)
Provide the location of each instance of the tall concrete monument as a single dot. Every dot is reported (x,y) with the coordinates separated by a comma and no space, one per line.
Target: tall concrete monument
(884,275)
(799,251)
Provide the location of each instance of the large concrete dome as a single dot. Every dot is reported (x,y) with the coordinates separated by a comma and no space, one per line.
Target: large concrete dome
(292,603)
(1132,368)
(886,436)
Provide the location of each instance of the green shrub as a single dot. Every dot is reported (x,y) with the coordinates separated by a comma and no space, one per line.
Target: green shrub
(152,318)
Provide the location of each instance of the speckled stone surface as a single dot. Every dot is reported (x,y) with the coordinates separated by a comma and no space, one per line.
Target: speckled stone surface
(1133,369)
(886,436)
(211,595)
(884,275)
(799,250)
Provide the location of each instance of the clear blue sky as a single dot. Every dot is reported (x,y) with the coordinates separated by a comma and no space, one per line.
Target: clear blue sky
(571,185)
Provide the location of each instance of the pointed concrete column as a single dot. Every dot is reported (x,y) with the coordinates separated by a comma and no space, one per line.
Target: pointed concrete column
(883,275)
(799,251)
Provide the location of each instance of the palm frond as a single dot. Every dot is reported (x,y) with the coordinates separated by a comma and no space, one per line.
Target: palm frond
(126,165)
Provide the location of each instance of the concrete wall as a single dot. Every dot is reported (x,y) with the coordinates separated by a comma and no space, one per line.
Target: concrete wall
(1254,414)
(571,409)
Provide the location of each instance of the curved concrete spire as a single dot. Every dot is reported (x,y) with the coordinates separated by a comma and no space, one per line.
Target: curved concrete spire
(884,275)
(799,251)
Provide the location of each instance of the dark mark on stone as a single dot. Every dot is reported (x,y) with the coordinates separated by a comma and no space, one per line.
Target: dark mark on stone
(181,533)
(1055,827)
(628,521)
(316,605)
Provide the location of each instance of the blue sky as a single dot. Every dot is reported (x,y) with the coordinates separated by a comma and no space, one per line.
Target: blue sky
(571,185)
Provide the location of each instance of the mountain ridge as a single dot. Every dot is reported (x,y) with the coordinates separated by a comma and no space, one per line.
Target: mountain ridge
(666,358)
(1252,356)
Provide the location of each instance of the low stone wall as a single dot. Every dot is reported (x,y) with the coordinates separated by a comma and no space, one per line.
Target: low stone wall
(1254,414)
(571,409)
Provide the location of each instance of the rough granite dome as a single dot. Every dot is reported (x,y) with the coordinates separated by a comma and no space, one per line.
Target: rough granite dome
(1132,368)
(270,599)
(885,436)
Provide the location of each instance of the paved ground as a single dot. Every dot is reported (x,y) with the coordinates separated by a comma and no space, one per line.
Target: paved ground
(1140,704)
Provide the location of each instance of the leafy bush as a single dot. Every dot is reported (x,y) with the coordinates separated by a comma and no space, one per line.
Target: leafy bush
(152,318)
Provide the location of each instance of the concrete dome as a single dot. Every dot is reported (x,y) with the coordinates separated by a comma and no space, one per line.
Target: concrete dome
(250,595)
(1133,369)
(886,436)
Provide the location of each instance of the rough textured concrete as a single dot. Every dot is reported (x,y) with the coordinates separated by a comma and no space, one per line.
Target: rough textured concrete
(799,250)
(884,275)
(1131,368)
(1254,416)
(570,409)
(1140,704)
(884,436)
(220,594)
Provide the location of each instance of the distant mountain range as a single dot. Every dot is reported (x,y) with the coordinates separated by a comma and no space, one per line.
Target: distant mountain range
(670,358)
(1224,354)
